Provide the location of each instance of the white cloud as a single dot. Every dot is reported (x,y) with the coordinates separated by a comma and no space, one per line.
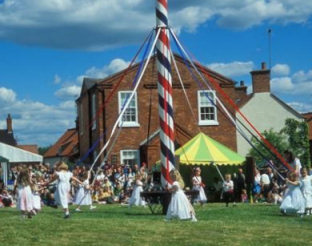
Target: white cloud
(301,107)
(301,76)
(280,70)
(72,91)
(231,69)
(114,66)
(6,96)
(299,84)
(98,24)
(38,123)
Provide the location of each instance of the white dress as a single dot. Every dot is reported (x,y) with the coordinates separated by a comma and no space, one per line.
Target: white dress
(62,195)
(83,195)
(293,200)
(36,200)
(306,189)
(136,198)
(179,206)
(25,198)
(197,180)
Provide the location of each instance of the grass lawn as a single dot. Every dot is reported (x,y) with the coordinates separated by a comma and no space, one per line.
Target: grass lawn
(107,225)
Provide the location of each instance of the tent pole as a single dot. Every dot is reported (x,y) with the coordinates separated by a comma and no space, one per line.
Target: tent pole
(218,171)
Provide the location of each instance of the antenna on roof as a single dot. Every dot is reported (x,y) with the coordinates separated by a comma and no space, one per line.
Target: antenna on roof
(270,46)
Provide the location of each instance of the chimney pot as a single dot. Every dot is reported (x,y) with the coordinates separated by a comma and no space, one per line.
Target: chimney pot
(242,83)
(263,66)
(9,124)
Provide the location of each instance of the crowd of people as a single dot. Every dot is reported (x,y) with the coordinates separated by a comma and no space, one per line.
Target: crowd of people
(38,185)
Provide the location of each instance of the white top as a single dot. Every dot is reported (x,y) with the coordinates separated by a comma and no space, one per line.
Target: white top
(264,179)
(296,164)
(258,178)
(197,180)
(228,185)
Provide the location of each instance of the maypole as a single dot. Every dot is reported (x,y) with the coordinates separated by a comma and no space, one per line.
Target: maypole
(164,85)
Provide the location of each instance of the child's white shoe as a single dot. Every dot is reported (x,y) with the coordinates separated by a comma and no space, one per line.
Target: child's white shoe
(92,207)
(77,210)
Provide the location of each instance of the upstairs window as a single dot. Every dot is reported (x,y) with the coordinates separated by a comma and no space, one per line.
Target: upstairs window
(207,111)
(130,116)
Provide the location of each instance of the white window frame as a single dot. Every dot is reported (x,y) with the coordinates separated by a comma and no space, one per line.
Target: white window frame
(93,111)
(137,153)
(207,122)
(129,123)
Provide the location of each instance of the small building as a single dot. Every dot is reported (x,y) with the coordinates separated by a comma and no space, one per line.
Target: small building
(262,108)
(64,149)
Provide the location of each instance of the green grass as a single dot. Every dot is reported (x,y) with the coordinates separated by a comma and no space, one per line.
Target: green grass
(117,225)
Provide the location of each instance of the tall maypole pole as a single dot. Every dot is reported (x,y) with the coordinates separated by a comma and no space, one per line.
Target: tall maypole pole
(164,85)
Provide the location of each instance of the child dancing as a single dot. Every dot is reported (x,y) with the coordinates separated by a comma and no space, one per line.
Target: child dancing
(179,207)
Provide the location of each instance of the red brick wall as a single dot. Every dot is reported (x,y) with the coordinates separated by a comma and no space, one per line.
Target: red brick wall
(130,138)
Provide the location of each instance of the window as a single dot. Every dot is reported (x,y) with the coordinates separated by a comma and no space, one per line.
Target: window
(129,157)
(130,116)
(93,111)
(207,112)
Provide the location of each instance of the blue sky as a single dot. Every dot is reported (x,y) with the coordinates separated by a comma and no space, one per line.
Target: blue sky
(47,47)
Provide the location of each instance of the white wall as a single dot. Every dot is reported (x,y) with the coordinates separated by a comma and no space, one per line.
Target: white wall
(264,112)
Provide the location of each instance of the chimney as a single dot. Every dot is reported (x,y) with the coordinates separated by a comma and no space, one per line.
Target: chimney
(9,124)
(261,79)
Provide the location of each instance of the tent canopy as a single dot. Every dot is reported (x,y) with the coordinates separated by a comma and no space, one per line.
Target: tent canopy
(13,154)
(203,150)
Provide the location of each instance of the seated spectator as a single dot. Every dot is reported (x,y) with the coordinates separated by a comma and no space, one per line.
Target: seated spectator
(265,184)
(6,198)
(244,196)
(118,192)
(105,195)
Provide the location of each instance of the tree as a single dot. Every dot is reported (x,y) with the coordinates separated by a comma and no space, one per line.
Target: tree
(42,150)
(297,132)
(293,136)
(278,140)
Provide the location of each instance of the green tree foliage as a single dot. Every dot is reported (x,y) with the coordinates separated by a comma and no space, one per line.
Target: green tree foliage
(294,137)
(279,141)
(42,150)
(297,132)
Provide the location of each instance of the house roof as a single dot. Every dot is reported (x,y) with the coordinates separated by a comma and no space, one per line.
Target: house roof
(307,116)
(7,138)
(88,83)
(66,145)
(14,154)
(29,147)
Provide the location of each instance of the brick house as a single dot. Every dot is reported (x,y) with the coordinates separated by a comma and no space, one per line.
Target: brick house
(139,138)
(262,108)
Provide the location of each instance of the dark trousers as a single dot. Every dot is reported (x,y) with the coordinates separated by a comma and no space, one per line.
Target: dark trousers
(228,197)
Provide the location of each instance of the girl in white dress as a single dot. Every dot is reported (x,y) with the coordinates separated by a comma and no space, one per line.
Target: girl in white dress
(306,189)
(293,161)
(83,195)
(179,206)
(136,198)
(24,195)
(63,176)
(293,200)
(199,185)
(36,195)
